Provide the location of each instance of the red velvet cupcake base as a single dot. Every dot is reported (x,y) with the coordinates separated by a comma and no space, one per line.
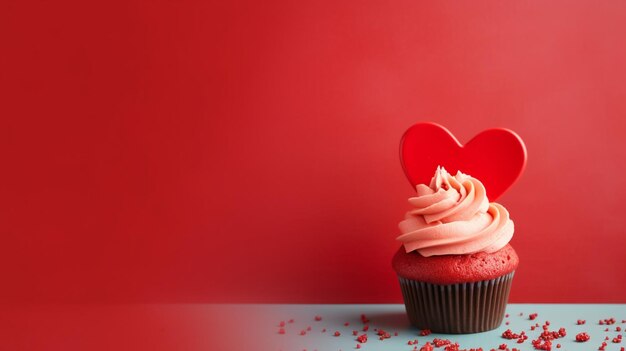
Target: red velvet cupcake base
(457,308)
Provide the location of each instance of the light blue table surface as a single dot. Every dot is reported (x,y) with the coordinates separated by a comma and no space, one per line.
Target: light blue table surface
(392,318)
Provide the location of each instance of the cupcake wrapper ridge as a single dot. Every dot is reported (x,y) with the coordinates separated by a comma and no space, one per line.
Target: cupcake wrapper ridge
(457,308)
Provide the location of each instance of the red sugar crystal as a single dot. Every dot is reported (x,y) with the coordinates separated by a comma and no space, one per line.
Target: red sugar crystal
(318,318)
(618,329)
(308,328)
(302,332)
(582,337)
(383,335)
(291,320)
(507,323)
(607,321)
(366,327)
(532,316)
(324,330)
(427,347)
(580,322)
(502,347)
(337,333)
(602,347)
(617,339)
(506,315)
(358,346)
(508,334)
(355,332)
(558,346)
(362,338)
(281,324)
(364,319)
(425,332)
(346,324)
(281,331)
(441,342)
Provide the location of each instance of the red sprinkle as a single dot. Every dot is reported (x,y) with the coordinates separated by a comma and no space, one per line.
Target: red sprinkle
(582,337)
(607,321)
(302,332)
(427,347)
(532,316)
(580,321)
(324,330)
(425,332)
(441,342)
(558,346)
(346,324)
(502,347)
(506,315)
(618,328)
(366,327)
(358,346)
(308,328)
(362,338)
(355,332)
(337,333)
(453,347)
(318,318)
(291,320)
(281,331)
(364,319)
(383,334)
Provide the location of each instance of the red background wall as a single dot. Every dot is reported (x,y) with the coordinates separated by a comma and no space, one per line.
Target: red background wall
(247,150)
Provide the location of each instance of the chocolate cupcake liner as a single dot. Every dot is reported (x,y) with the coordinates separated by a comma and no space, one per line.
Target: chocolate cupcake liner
(457,308)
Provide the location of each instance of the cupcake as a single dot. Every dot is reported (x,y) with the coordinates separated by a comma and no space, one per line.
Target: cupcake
(455,265)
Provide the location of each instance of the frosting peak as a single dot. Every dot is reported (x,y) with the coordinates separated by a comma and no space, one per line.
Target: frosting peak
(452,216)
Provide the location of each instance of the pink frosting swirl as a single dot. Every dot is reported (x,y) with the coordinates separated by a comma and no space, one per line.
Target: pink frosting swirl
(452,216)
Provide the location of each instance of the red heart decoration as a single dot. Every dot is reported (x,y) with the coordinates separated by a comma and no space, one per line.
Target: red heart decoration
(496,157)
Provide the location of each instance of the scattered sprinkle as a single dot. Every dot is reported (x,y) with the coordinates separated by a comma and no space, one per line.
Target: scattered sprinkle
(425,332)
(362,338)
(582,337)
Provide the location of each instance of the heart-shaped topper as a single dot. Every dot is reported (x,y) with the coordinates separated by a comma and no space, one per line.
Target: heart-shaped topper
(496,157)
